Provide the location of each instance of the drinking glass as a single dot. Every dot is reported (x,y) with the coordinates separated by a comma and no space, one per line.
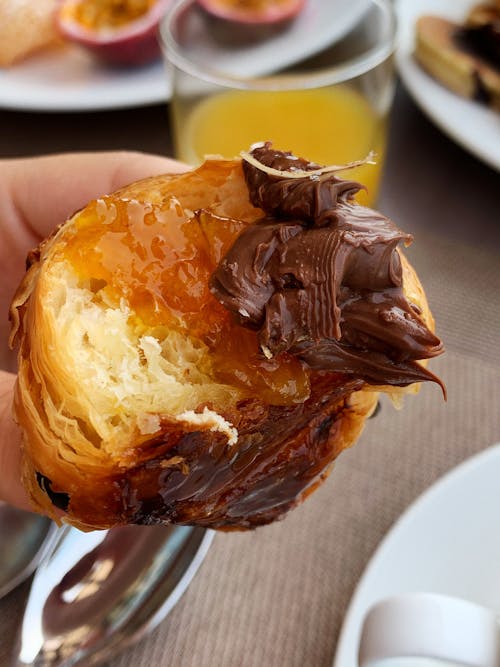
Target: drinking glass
(321,90)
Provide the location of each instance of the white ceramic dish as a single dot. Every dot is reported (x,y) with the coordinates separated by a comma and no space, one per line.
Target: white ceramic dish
(447,542)
(470,124)
(72,80)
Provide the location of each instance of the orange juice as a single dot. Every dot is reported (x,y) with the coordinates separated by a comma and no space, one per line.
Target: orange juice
(326,125)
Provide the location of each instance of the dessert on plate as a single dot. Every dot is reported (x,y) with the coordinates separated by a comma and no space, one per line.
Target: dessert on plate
(465,57)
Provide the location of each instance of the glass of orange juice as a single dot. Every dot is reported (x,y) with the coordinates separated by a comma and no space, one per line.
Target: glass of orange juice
(319,85)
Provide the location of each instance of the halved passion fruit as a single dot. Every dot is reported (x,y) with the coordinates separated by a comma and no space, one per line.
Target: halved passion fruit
(118,31)
(253,12)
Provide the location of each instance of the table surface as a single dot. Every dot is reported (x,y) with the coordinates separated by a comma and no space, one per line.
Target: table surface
(277,596)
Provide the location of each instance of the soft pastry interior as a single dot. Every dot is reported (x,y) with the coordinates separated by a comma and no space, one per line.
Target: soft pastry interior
(143,397)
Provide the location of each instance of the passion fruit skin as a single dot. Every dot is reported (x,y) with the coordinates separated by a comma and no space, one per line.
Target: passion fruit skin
(272,12)
(133,44)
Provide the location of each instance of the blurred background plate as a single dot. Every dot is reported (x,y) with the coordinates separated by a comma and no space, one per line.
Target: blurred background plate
(70,79)
(471,124)
(446,542)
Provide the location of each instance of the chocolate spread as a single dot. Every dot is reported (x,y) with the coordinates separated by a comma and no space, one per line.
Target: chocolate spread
(320,277)
(482,40)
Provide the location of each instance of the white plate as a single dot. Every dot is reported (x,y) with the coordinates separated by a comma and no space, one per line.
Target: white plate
(72,80)
(470,124)
(447,542)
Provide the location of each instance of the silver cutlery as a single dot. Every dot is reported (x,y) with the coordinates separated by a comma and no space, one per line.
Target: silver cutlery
(25,538)
(95,593)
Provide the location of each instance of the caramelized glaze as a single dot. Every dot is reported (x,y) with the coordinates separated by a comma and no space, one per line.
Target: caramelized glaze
(159,258)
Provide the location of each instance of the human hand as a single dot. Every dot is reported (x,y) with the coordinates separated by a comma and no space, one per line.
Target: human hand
(37,194)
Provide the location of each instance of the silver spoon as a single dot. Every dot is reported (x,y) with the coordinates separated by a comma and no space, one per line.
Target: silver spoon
(25,538)
(96,593)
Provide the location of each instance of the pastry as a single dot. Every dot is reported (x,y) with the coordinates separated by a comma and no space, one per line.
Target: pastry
(465,57)
(199,348)
(25,27)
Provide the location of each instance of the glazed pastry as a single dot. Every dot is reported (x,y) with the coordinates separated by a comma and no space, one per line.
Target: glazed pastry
(199,348)
(463,57)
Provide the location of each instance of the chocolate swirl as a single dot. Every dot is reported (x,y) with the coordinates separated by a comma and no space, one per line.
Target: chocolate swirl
(320,277)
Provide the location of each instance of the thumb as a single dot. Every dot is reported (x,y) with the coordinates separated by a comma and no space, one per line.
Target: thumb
(46,190)
(11,489)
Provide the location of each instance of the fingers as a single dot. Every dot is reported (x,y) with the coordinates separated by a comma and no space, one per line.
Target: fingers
(47,190)
(11,489)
